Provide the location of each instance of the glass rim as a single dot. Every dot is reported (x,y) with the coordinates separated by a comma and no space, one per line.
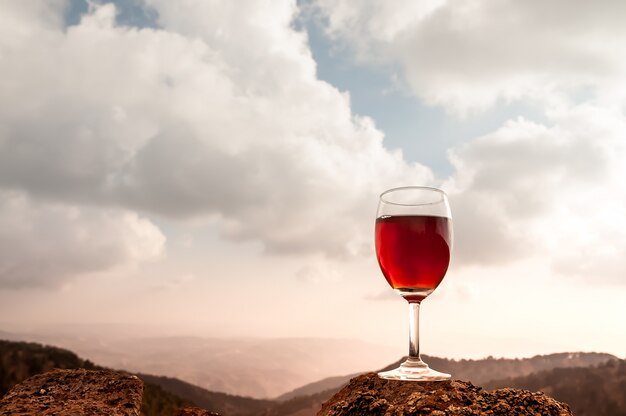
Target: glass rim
(423,188)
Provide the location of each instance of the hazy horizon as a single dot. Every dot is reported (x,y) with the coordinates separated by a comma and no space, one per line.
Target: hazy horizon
(263,368)
(106,332)
(213,169)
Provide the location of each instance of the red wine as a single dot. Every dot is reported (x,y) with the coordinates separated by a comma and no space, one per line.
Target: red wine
(413,251)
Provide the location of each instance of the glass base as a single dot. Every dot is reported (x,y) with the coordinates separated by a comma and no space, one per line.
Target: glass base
(414,370)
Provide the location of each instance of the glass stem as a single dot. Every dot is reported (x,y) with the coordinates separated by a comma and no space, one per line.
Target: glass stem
(414,332)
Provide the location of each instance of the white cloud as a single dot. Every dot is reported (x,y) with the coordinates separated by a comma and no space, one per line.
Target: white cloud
(218,115)
(468,56)
(21,21)
(528,190)
(50,244)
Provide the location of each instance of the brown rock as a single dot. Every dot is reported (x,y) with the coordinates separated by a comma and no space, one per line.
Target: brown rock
(75,392)
(369,395)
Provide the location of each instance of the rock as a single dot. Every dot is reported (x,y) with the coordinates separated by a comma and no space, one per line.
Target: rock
(75,392)
(369,395)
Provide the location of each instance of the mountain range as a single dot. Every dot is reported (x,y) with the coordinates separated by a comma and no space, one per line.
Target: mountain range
(591,391)
(538,373)
(254,367)
(594,384)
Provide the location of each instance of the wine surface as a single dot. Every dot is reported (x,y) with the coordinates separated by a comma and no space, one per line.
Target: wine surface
(413,251)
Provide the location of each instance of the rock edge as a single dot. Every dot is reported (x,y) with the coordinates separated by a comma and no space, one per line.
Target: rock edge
(369,395)
(75,392)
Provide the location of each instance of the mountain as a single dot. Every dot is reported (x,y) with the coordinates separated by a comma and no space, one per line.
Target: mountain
(590,391)
(259,368)
(477,371)
(222,403)
(21,360)
(162,395)
(483,371)
(328,383)
(592,383)
(307,400)
(572,378)
(307,405)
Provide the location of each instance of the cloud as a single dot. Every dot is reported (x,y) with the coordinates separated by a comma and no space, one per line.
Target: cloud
(529,190)
(515,175)
(469,56)
(216,116)
(533,191)
(49,244)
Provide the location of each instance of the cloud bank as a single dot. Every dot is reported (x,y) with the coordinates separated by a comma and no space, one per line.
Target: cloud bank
(49,244)
(546,189)
(467,57)
(216,116)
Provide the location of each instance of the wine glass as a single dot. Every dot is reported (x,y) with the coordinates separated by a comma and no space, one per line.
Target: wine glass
(413,245)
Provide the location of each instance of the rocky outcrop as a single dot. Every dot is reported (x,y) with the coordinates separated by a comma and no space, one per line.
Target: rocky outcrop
(96,392)
(75,392)
(369,395)
(81,392)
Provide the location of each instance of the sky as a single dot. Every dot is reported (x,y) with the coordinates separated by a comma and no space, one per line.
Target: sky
(212,168)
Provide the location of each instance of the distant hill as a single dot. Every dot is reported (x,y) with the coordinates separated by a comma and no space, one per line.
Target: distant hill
(20,360)
(222,403)
(485,370)
(306,400)
(590,391)
(256,367)
(593,384)
(307,405)
(329,383)
(162,395)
